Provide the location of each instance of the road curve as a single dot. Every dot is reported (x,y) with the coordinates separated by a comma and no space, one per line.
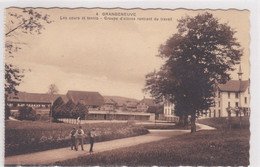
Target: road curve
(52,156)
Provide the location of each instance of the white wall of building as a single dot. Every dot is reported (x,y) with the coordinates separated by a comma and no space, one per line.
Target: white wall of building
(168,108)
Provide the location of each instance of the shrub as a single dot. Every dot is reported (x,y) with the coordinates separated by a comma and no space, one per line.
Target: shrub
(27,113)
(27,136)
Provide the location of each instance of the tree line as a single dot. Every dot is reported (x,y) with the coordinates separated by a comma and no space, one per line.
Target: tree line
(60,109)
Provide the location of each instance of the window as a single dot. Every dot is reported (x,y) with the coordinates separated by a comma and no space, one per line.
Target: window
(245,100)
(236,104)
(229,95)
(219,104)
(228,104)
(237,95)
(218,94)
(219,113)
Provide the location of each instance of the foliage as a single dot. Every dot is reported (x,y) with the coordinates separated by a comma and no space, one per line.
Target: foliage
(68,110)
(31,136)
(56,108)
(79,110)
(27,113)
(158,109)
(53,89)
(7,112)
(199,55)
(23,21)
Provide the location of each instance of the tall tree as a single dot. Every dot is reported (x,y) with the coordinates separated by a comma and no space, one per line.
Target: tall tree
(56,109)
(201,54)
(53,89)
(20,21)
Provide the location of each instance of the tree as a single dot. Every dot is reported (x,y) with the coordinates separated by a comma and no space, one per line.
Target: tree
(197,57)
(27,113)
(22,21)
(66,109)
(53,89)
(56,108)
(79,110)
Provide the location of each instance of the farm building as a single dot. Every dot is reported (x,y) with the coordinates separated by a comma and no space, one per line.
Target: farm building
(145,104)
(109,104)
(41,102)
(93,100)
(105,115)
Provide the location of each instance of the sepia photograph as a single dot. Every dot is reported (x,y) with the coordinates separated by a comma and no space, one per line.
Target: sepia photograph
(126,87)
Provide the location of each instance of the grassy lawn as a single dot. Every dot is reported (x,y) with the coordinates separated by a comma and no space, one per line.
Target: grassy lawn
(221,147)
(32,136)
(225,123)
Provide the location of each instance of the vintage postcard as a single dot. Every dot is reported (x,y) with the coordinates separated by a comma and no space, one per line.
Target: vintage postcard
(127,87)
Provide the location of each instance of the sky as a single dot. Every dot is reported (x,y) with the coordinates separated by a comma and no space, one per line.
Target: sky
(111,57)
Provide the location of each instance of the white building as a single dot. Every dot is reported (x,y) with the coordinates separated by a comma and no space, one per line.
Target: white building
(168,110)
(233,94)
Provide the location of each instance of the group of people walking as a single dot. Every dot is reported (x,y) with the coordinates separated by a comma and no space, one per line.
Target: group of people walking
(77,137)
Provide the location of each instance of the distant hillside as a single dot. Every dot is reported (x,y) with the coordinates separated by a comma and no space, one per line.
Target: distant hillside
(121,100)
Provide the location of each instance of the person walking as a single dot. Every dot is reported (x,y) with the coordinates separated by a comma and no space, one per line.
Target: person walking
(91,139)
(80,137)
(73,139)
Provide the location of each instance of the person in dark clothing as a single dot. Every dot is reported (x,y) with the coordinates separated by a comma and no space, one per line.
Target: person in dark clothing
(73,139)
(91,139)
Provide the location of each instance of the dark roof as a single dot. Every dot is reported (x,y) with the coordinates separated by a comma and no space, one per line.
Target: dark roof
(109,100)
(34,97)
(131,104)
(234,86)
(86,98)
(149,102)
(120,101)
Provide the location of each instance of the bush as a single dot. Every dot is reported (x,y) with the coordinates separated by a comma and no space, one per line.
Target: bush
(27,136)
(27,113)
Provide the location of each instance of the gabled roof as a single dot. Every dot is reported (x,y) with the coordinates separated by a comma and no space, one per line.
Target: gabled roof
(131,104)
(109,100)
(86,98)
(34,97)
(149,102)
(120,101)
(234,86)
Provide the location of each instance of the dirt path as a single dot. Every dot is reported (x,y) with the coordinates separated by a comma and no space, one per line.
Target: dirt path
(52,156)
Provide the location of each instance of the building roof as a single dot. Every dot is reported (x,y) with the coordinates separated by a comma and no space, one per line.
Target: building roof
(234,86)
(120,101)
(131,104)
(24,97)
(86,98)
(149,102)
(109,100)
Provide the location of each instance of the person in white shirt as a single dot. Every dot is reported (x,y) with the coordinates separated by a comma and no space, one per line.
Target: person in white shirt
(80,137)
